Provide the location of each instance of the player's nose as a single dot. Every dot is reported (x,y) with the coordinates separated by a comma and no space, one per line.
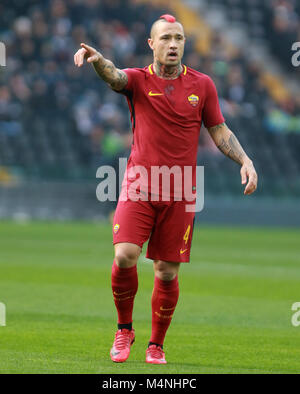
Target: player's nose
(173,45)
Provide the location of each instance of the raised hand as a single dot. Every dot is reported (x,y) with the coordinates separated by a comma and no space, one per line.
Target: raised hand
(115,78)
(90,54)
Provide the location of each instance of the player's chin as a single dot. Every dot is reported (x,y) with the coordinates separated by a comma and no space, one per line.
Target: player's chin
(172,61)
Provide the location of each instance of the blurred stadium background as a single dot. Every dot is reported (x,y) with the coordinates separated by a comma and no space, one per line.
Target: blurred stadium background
(58,124)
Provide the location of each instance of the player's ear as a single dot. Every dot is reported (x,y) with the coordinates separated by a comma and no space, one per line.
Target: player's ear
(150,43)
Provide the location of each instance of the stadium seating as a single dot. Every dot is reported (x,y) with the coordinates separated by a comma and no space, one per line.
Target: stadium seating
(60,122)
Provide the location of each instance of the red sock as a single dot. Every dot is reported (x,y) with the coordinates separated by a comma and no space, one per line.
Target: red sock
(124,283)
(164,300)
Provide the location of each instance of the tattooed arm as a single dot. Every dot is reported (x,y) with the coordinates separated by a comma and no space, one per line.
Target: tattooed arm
(115,78)
(228,144)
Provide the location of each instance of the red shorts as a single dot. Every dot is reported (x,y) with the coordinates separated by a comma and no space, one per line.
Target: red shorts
(166,223)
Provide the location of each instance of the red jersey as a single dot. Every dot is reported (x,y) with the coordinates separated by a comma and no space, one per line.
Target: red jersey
(167,116)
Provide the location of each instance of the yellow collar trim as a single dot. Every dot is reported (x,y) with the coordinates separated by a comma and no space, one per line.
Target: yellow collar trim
(152,73)
(150,69)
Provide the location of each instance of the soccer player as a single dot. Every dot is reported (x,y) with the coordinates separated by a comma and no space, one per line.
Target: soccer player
(168,102)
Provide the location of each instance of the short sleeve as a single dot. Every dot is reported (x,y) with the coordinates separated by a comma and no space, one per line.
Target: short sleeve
(132,75)
(211,114)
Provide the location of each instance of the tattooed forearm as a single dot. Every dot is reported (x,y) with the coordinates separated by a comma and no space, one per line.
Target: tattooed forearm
(120,81)
(232,148)
(106,70)
(228,144)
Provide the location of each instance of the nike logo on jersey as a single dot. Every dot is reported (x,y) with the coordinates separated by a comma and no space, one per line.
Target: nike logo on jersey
(182,251)
(151,94)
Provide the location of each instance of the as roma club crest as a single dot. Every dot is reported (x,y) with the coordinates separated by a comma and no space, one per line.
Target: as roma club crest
(116,228)
(193,100)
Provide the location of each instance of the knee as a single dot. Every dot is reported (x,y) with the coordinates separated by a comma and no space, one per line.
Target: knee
(166,272)
(165,276)
(126,258)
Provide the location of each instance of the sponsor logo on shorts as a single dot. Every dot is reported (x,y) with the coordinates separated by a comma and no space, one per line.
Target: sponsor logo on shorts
(182,251)
(116,228)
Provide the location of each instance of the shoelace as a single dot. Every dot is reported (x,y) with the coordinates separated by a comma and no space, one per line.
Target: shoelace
(122,340)
(156,352)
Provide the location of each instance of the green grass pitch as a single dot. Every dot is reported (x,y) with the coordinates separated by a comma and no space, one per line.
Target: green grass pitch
(233,315)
